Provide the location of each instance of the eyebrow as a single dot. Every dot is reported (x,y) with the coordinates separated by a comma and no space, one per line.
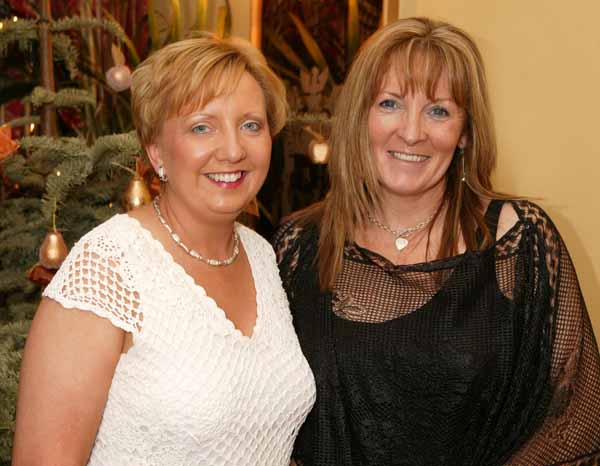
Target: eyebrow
(399,96)
(257,115)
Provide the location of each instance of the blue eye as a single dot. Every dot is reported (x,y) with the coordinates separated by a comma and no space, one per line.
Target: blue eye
(200,129)
(252,126)
(439,112)
(389,104)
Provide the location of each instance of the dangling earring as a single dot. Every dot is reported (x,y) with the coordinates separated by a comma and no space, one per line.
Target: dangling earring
(162,176)
(461,153)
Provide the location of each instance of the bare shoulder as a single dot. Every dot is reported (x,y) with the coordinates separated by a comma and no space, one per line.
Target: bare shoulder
(508,219)
(145,214)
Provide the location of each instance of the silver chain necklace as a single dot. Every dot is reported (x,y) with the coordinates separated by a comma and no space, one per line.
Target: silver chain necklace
(192,252)
(401,235)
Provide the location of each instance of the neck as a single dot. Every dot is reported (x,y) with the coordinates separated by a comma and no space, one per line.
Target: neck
(212,237)
(403,211)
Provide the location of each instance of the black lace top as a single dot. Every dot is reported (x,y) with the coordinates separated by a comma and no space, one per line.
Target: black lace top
(486,358)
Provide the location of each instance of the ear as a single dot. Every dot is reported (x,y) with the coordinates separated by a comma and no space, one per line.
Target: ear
(155,155)
(462,142)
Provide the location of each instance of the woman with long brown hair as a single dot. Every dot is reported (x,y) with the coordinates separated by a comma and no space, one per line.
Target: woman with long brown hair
(443,320)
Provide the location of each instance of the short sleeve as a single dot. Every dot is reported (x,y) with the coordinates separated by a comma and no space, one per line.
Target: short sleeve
(95,277)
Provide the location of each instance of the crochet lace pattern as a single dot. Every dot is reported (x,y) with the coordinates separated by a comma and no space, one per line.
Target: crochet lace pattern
(193,390)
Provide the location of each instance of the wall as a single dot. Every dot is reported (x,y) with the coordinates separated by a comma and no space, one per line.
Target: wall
(543,63)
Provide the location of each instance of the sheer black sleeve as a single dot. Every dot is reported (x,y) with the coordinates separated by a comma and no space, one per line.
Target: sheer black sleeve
(293,243)
(570,432)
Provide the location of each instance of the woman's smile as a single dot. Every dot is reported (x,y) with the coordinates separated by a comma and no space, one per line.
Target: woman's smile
(408,157)
(227,180)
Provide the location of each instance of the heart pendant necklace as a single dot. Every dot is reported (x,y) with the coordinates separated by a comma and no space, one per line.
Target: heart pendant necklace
(401,236)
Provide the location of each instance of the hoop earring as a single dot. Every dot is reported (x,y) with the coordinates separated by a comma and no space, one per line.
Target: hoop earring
(162,176)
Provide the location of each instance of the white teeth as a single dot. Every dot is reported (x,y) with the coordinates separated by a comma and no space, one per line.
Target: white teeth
(225,177)
(408,157)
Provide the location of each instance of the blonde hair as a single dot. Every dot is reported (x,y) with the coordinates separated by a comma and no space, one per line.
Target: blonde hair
(186,75)
(420,51)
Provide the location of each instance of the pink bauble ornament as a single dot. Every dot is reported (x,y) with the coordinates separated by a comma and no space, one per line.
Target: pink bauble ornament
(119,78)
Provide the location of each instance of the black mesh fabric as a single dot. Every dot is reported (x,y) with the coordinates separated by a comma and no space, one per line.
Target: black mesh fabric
(487,358)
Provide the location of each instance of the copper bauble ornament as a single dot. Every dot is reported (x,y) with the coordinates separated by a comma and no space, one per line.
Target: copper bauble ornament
(53,250)
(136,194)
(119,78)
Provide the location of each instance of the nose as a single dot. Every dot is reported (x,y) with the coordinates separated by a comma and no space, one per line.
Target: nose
(232,149)
(411,129)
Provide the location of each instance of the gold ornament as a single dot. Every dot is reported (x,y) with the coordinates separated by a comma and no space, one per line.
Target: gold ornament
(53,250)
(136,194)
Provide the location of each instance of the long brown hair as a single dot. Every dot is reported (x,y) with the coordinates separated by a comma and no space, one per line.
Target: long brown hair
(420,50)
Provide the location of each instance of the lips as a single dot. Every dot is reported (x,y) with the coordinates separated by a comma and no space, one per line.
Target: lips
(408,157)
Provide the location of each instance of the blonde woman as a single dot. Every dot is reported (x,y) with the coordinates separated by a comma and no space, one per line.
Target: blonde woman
(166,338)
(443,321)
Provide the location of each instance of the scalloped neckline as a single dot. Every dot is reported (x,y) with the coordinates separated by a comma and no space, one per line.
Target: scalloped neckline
(199,290)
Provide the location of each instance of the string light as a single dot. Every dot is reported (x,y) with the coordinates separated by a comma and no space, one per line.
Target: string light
(1,25)
(31,127)
(110,205)
(15,19)
(57,172)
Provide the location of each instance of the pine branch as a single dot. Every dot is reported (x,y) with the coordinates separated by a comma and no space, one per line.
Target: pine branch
(68,97)
(18,211)
(70,146)
(24,121)
(64,50)
(9,281)
(109,25)
(18,231)
(120,148)
(23,31)
(73,172)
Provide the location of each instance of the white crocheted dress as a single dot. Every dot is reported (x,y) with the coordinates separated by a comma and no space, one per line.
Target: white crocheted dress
(193,390)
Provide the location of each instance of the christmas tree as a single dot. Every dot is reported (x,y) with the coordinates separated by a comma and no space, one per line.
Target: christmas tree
(63,170)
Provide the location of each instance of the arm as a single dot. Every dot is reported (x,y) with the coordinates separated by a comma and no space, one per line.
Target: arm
(570,432)
(68,365)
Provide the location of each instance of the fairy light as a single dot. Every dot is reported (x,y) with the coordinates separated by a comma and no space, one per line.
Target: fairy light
(110,204)
(1,25)
(15,19)
(57,172)
(31,127)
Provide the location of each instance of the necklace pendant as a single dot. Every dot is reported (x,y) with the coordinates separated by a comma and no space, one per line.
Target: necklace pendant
(401,243)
